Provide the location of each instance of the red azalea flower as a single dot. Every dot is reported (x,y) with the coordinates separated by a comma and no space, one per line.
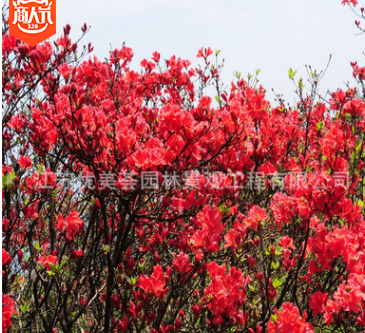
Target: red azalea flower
(8,311)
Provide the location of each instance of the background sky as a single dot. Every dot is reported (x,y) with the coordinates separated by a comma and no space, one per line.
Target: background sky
(271,35)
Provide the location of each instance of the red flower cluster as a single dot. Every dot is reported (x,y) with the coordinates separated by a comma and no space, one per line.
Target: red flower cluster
(46,261)
(71,225)
(226,294)
(289,320)
(155,284)
(8,311)
(348,2)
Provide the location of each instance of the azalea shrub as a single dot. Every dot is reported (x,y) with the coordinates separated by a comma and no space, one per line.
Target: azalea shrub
(133,202)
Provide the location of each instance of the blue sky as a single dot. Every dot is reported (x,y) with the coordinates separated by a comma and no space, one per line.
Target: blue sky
(271,35)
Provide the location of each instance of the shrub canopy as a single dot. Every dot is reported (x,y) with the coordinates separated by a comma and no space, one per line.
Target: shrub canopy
(133,203)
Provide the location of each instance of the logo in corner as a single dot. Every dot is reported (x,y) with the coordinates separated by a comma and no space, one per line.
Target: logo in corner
(32,21)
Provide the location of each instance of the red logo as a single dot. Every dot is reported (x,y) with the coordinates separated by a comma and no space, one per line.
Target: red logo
(32,21)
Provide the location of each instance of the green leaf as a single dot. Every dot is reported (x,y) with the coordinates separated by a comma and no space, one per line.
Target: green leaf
(358,148)
(63,263)
(278,282)
(300,84)
(8,180)
(24,308)
(53,268)
(106,248)
(224,209)
(5,182)
(142,266)
(291,73)
(320,125)
(274,318)
(50,273)
(275,265)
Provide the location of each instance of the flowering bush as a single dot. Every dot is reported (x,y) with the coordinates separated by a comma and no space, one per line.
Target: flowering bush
(133,203)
